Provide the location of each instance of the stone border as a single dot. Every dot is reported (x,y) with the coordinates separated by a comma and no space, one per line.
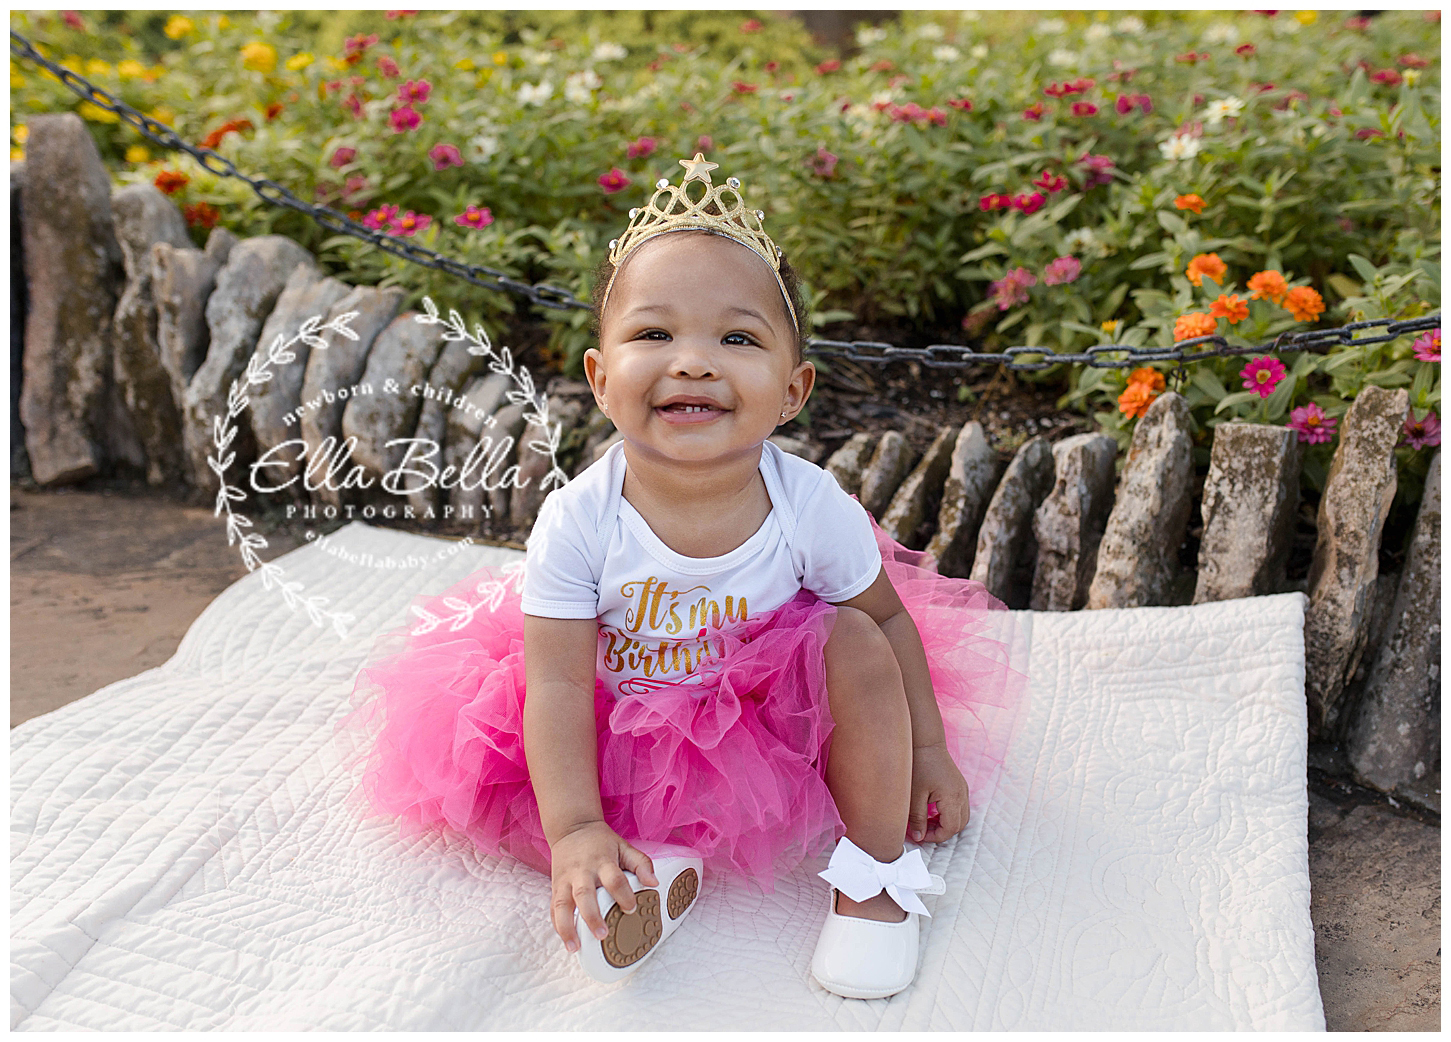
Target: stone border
(224,430)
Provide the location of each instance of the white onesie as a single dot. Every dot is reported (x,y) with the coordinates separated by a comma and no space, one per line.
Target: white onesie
(592,556)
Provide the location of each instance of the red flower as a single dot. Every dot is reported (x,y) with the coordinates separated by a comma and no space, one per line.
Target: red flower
(393,16)
(1100,169)
(388,67)
(1082,85)
(614,181)
(214,139)
(994,201)
(1085,108)
(1412,61)
(882,66)
(640,148)
(751,25)
(772,66)
(73,20)
(1389,77)
(410,223)
(354,104)
(273,111)
(1059,90)
(414,91)
(354,46)
(961,103)
(474,217)
(1034,111)
(1029,204)
(204,214)
(1357,24)
(403,119)
(1245,50)
(171,181)
(342,156)
(743,88)
(1365,133)
(1050,182)
(332,85)
(1190,57)
(445,156)
(828,66)
(1126,103)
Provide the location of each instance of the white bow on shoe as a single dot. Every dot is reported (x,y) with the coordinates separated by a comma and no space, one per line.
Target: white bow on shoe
(860,876)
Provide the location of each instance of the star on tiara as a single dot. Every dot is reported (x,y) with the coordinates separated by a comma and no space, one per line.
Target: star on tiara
(671,209)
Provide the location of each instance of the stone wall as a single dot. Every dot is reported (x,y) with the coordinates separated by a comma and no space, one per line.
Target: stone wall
(132,338)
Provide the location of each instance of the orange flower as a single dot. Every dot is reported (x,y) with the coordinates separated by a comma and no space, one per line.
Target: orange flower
(1135,401)
(1268,285)
(170,181)
(1230,307)
(1189,202)
(214,139)
(1304,303)
(1206,264)
(1196,323)
(1151,378)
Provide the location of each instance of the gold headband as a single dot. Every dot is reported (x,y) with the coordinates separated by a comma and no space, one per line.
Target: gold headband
(679,213)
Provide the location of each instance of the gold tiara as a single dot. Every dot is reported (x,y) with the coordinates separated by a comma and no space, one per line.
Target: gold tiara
(671,209)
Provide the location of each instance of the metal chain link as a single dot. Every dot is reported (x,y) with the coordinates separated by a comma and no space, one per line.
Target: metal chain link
(936,356)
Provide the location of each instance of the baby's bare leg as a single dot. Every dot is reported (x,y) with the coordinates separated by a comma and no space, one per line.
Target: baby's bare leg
(869,771)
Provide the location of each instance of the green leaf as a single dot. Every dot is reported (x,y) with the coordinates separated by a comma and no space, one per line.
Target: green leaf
(1363,267)
(1237,398)
(1204,379)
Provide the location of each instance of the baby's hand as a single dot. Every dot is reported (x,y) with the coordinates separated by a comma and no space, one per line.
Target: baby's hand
(936,779)
(591,856)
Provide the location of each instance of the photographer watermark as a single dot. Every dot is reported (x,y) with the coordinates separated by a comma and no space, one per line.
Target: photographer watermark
(325,469)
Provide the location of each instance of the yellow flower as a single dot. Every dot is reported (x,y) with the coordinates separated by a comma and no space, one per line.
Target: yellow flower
(1411,76)
(501,58)
(177,26)
(130,69)
(17,155)
(335,65)
(484,76)
(1307,17)
(20,133)
(16,80)
(1111,326)
(97,114)
(162,114)
(260,56)
(465,64)
(224,22)
(137,154)
(97,67)
(300,61)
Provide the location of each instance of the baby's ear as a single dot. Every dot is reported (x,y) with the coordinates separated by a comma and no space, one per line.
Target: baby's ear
(594,372)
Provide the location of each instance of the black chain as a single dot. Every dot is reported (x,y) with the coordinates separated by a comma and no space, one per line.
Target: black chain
(936,356)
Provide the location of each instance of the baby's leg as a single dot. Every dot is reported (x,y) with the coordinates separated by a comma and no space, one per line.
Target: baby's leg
(869,770)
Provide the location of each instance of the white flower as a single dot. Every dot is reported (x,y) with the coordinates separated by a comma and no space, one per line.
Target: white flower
(579,87)
(538,57)
(1319,130)
(860,113)
(483,147)
(946,53)
(609,52)
(979,51)
(1216,112)
(870,34)
(930,31)
(969,16)
(1179,146)
(1221,32)
(535,94)
(1097,32)
(1059,56)
(1080,240)
(1052,26)
(1130,25)
(884,97)
(577,94)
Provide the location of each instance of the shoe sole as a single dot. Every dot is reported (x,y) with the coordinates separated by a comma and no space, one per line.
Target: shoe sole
(631,937)
(682,893)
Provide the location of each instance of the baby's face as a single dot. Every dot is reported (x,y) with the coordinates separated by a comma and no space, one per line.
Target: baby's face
(697,354)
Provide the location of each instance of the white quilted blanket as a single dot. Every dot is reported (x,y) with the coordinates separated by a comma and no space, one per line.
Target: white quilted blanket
(183,854)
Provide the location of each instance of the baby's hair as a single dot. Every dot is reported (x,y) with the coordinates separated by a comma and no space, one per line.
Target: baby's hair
(789,279)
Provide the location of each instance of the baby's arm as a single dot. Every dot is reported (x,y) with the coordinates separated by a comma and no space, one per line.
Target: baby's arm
(560,746)
(935,778)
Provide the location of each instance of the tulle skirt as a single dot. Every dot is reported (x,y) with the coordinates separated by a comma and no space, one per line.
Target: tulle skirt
(735,771)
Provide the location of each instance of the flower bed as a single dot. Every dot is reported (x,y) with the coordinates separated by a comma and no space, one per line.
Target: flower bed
(1122,178)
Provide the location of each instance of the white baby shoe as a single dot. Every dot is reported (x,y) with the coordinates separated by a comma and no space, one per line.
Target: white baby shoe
(658,911)
(862,958)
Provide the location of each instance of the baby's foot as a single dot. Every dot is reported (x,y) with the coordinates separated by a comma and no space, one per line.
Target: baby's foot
(881,909)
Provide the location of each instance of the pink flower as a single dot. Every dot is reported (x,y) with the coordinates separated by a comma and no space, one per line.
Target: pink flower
(614,181)
(354,105)
(1126,103)
(381,216)
(704,143)
(73,20)
(1420,433)
(1034,112)
(960,103)
(1061,270)
(994,201)
(1029,203)
(1050,182)
(741,87)
(1245,50)
(395,15)
(751,25)
(1389,77)
(1100,169)
(410,223)
(475,217)
(936,117)
(342,157)
(640,148)
(828,66)
(1085,108)
(404,119)
(1012,288)
(445,156)
(414,91)
(357,183)
(1357,24)
(1311,423)
(359,43)
(1263,375)
(1366,133)
(1412,61)
(824,163)
(388,67)
(1428,346)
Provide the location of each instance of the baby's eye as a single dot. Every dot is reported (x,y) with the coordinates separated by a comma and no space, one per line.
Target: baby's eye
(652,334)
(738,338)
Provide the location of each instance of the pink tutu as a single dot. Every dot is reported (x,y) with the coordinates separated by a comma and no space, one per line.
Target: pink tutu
(737,775)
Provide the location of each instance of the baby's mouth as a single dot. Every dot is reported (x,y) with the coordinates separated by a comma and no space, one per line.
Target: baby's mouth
(683,408)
